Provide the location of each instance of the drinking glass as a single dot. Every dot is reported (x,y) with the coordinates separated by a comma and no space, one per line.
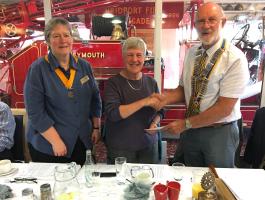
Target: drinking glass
(119,165)
(177,166)
(95,175)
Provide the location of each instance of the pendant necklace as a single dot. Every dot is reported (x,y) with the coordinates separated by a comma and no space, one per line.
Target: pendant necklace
(136,89)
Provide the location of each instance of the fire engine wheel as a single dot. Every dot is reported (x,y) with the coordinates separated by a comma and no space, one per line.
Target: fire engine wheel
(10,29)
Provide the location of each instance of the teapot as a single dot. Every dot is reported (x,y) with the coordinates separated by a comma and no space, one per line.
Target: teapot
(66,185)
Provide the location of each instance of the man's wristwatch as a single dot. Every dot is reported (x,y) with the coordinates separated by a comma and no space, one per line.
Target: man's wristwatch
(188,125)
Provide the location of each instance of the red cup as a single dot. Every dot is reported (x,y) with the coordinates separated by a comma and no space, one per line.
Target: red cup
(160,191)
(173,190)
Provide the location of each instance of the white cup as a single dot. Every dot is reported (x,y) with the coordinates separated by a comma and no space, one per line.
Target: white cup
(5,166)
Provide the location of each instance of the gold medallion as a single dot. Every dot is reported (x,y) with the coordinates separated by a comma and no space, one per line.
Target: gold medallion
(70,93)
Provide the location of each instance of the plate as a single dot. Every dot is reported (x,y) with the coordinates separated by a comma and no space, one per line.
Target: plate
(11,171)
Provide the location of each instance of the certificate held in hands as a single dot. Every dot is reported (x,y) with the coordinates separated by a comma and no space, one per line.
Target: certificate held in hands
(153,130)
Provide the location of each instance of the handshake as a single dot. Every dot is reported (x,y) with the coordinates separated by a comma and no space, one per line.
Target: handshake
(156,101)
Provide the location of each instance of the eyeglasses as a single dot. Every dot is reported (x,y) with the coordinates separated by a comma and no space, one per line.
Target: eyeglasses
(210,21)
(24,180)
(61,36)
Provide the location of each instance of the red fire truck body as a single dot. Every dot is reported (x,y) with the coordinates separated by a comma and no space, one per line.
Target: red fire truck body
(106,60)
(104,56)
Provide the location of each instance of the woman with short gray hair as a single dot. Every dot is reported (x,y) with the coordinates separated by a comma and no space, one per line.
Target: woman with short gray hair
(54,22)
(128,109)
(62,101)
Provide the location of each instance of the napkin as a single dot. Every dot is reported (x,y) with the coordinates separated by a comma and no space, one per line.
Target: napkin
(138,191)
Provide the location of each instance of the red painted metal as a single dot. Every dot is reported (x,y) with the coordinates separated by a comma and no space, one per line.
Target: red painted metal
(19,68)
(23,15)
(141,14)
(100,53)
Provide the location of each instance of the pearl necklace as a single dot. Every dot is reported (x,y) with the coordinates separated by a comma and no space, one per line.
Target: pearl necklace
(137,89)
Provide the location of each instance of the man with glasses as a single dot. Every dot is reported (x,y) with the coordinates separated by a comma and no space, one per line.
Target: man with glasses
(214,77)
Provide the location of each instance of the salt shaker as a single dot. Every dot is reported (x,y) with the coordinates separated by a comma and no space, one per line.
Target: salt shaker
(45,192)
(27,194)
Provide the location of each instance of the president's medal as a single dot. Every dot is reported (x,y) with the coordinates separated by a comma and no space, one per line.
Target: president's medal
(71,93)
(67,82)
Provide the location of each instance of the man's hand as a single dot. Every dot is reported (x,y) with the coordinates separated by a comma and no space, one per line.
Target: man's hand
(95,136)
(176,127)
(59,148)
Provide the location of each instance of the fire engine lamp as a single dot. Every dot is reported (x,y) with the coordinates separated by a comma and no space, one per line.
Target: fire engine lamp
(107,15)
(116,21)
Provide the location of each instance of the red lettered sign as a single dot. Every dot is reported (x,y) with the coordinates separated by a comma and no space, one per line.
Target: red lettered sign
(142,14)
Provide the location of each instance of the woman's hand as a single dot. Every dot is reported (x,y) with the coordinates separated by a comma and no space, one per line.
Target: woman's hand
(153,101)
(59,148)
(153,125)
(152,129)
(95,136)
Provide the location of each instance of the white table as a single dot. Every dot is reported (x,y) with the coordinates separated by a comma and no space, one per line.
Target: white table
(248,184)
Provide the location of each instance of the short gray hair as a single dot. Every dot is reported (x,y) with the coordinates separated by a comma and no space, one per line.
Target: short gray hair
(52,23)
(133,43)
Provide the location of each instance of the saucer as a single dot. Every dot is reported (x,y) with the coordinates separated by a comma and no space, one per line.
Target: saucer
(11,171)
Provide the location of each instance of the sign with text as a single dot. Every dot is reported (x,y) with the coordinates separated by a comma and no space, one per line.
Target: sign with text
(142,14)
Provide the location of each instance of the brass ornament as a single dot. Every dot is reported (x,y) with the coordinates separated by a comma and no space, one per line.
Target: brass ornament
(207,180)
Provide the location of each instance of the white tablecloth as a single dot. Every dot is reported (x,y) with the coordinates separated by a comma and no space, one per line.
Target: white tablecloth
(247,184)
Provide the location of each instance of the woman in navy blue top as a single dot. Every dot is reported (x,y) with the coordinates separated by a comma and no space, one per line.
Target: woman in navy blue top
(62,101)
(129,109)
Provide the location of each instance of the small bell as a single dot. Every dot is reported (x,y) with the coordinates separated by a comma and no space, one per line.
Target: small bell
(239,7)
(117,33)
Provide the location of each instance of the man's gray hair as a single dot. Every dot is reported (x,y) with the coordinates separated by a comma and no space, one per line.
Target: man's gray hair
(133,43)
(52,23)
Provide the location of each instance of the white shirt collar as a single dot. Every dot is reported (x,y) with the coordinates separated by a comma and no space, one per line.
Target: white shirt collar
(214,48)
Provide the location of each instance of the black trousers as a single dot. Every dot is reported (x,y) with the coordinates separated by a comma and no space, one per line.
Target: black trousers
(6,154)
(78,155)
